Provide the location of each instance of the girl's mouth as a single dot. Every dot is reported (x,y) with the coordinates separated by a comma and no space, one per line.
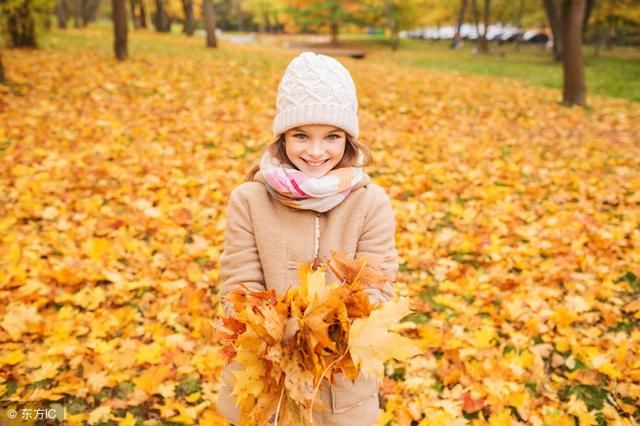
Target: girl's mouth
(315,164)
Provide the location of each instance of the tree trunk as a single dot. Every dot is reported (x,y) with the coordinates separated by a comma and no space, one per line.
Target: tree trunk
(75,12)
(335,30)
(572,62)
(392,24)
(46,17)
(476,19)
(209,23)
(461,14)
(267,22)
(134,18)
(551,8)
(92,10)
(21,25)
(120,29)
(395,36)
(238,12)
(62,13)
(2,77)
(483,42)
(161,20)
(83,13)
(600,39)
(189,18)
(587,14)
(143,15)
(519,23)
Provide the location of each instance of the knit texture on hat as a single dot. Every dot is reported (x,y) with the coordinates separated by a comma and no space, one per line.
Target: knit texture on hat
(316,89)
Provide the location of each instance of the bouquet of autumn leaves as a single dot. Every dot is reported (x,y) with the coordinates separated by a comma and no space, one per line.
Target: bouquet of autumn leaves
(287,345)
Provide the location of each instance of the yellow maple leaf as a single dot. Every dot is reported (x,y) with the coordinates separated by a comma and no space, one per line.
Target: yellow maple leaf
(18,318)
(47,370)
(193,272)
(502,418)
(14,254)
(485,337)
(610,370)
(563,317)
(95,248)
(249,382)
(314,321)
(371,343)
(129,420)
(310,281)
(192,397)
(12,358)
(185,416)
(151,353)
(100,415)
(210,418)
(152,378)
(97,380)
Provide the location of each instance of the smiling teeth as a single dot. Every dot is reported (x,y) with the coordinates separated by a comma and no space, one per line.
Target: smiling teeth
(317,163)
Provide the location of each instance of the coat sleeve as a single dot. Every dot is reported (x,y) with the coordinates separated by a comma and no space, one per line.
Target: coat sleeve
(377,241)
(239,262)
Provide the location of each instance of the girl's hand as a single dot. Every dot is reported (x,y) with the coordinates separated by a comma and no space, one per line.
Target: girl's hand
(379,296)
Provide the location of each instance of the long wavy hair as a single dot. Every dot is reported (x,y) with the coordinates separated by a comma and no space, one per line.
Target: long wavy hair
(349,158)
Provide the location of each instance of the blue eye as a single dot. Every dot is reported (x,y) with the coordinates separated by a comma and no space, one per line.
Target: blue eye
(333,137)
(302,136)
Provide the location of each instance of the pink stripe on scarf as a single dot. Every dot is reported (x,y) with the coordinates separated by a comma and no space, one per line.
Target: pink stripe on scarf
(297,188)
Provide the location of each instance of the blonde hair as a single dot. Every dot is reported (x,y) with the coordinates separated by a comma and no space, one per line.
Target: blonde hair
(349,158)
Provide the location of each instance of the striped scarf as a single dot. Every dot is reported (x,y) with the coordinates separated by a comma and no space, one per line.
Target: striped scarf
(296,189)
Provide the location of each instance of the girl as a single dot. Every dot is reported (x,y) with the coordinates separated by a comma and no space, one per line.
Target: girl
(308,196)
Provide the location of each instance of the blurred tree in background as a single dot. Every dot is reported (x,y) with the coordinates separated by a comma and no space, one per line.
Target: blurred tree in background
(120,29)
(314,15)
(569,23)
(23,19)
(2,78)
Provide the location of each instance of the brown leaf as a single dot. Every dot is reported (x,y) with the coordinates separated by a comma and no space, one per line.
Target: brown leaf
(633,306)
(366,271)
(470,405)
(588,377)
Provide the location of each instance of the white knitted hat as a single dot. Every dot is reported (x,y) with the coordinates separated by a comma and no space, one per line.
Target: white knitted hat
(316,89)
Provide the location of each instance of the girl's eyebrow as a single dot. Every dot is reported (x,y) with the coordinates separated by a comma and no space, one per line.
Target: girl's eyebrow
(335,129)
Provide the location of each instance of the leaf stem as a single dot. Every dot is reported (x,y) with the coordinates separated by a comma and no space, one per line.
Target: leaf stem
(315,391)
(278,407)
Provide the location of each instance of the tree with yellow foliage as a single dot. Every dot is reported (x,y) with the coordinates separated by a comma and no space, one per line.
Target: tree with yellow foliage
(322,15)
(611,18)
(268,14)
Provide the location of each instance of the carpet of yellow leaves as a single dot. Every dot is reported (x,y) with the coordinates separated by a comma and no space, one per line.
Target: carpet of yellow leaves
(517,225)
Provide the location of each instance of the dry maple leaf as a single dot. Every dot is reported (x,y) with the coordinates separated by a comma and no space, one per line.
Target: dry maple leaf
(364,270)
(371,343)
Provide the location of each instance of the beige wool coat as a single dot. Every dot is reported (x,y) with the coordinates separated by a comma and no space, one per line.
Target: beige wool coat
(265,241)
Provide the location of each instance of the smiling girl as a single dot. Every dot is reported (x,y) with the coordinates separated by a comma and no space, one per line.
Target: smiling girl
(308,196)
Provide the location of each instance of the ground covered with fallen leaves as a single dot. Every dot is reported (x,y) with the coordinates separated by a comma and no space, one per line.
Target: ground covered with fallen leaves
(517,226)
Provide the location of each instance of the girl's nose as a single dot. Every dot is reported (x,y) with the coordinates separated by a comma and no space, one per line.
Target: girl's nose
(316,149)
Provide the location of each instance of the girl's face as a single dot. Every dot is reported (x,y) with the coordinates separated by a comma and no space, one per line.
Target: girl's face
(315,149)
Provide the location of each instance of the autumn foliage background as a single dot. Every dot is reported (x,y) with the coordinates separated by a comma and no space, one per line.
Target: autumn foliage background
(517,226)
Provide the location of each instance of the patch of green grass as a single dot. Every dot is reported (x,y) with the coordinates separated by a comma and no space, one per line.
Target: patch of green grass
(614,73)
(593,396)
